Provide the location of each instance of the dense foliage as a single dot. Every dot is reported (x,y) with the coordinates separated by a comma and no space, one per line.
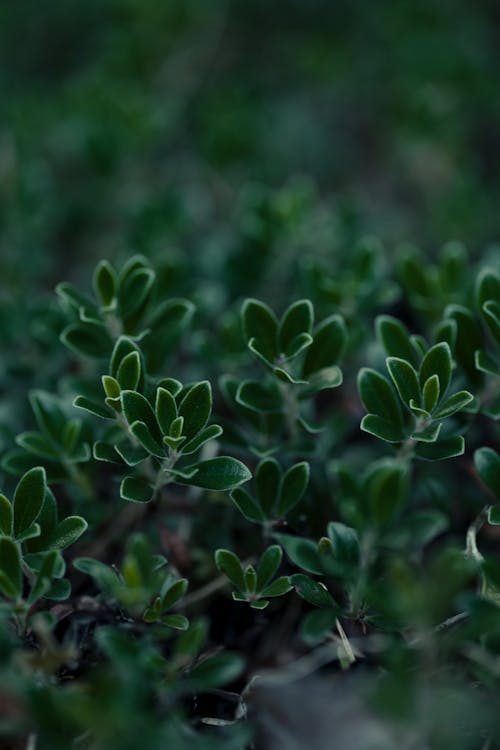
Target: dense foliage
(249,456)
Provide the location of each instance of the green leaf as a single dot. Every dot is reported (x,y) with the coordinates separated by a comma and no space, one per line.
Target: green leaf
(36,443)
(123,347)
(487,286)
(491,312)
(129,372)
(208,433)
(431,392)
(294,485)
(345,544)
(178,622)
(487,462)
(47,571)
(395,338)
(455,403)
(312,591)
(469,339)
(261,325)
(131,454)
(428,434)
(10,568)
(93,407)
(28,498)
(302,552)
(229,564)
(268,565)
(381,428)
(329,343)
(317,624)
(441,449)
(437,361)
(405,379)
(216,671)
(49,416)
(5,515)
(494,515)
(259,397)
(485,363)
(175,592)
(386,487)
(67,532)
(196,407)
(267,483)
(247,505)
(221,473)
(31,532)
(136,490)
(277,588)
(135,289)
(137,408)
(89,339)
(166,409)
(105,283)
(140,431)
(378,396)
(297,319)
(104,452)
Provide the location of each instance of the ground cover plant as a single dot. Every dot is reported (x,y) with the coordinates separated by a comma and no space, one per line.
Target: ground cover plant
(180,558)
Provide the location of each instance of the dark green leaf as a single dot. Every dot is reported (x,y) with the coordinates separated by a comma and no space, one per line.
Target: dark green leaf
(10,568)
(89,339)
(312,591)
(221,473)
(137,408)
(379,397)
(28,498)
(196,407)
(136,490)
(129,372)
(247,505)
(330,340)
(259,397)
(105,283)
(395,338)
(453,404)
(67,532)
(381,428)
(405,379)
(228,563)
(5,515)
(431,392)
(302,552)
(437,361)
(294,485)
(297,319)
(267,483)
(166,409)
(277,588)
(441,449)
(487,462)
(208,433)
(268,565)
(260,324)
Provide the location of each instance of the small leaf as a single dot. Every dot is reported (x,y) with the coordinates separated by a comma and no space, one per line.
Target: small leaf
(437,361)
(405,379)
(166,409)
(221,473)
(137,408)
(105,283)
(89,339)
(31,532)
(317,624)
(487,462)
(293,487)
(494,515)
(136,490)
(247,505)
(302,552)
(329,343)
(178,622)
(428,434)
(67,532)
(196,407)
(395,338)
(5,515)
(36,443)
(134,290)
(267,483)
(453,404)
(441,449)
(129,372)
(259,397)
(229,564)
(208,433)
(381,428)
(28,498)
(93,407)
(277,588)
(297,319)
(143,435)
(268,565)
(378,396)
(216,671)
(10,568)
(312,591)
(175,592)
(260,324)
(431,392)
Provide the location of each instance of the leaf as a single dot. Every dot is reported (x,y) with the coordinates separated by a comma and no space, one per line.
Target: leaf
(229,564)
(175,592)
(293,487)
(431,392)
(105,283)
(134,290)
(316,625)
(260,324)
(104,452)
(469,338)
(441,449)
(59,590)
(312,591)
(259,397)
(36,443)
(395,338)
(136,490)
(302,552)
(268,565)
(487,286)
(67,532)
(166,409)
(345,543)
(494,515)
(178,622)
(196,407)
(378,396)
(428,434)
(129,372)
(247,505)
(208,433)
(10,568)
(221,473)
(46,572)
(5,515)
(143,435)
(453,404)
(131,454)
(216,671)
(329,343)
(404,378)
(28,498)
(277,588)
(137,408)
(437,361)
(31,532)
(491,312)
(297,319)
(89,339)
(49,415)
(267,483)
(93,407)
(386,488)
(381,428)
(487,463)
